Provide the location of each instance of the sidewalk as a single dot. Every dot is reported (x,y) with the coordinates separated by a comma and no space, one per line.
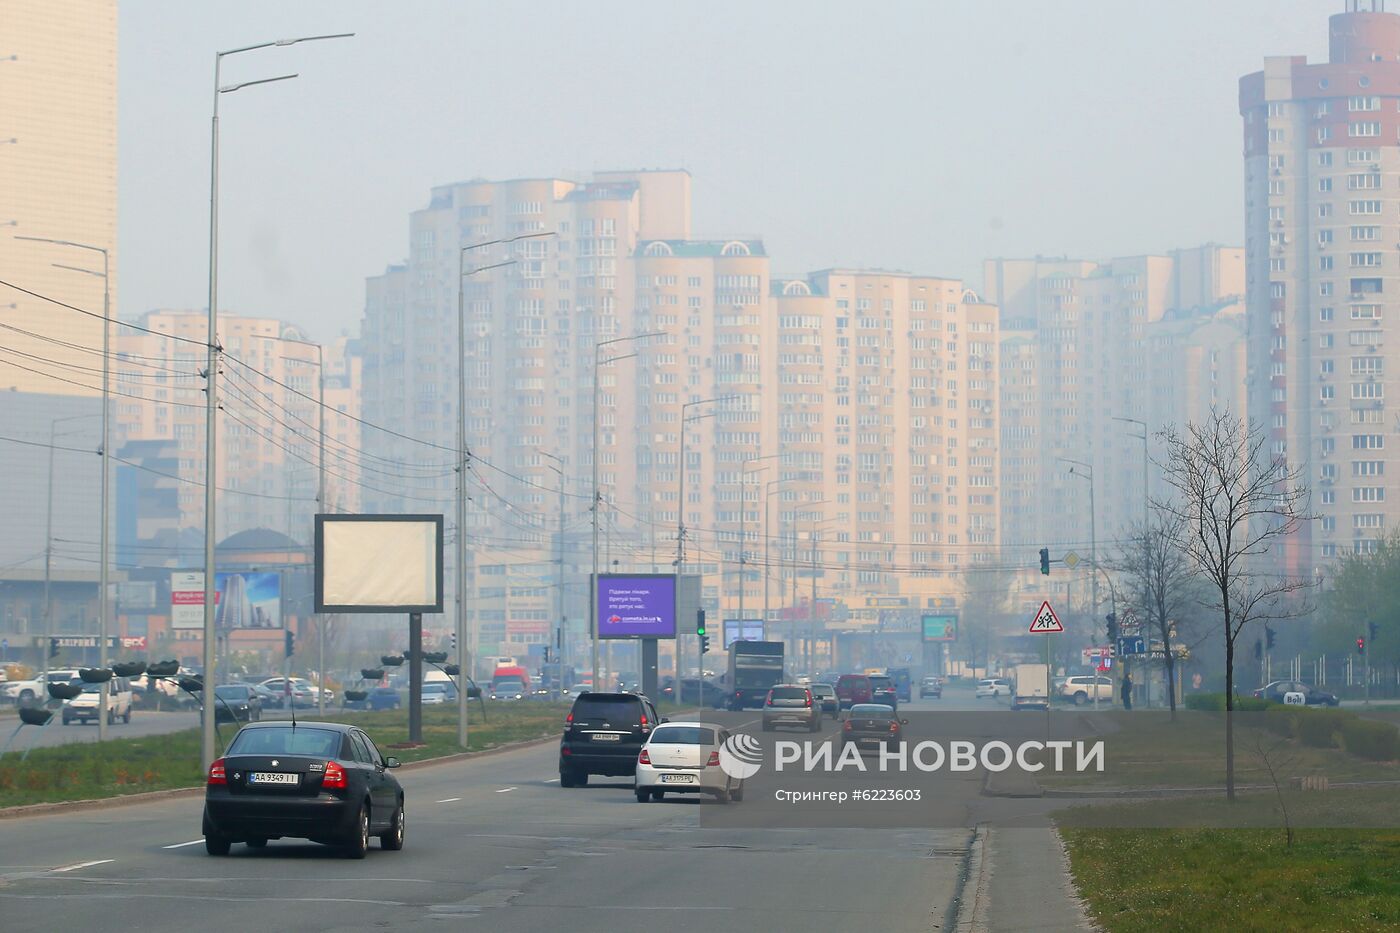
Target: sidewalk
(1018,880)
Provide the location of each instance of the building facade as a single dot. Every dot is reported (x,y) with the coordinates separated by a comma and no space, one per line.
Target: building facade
(1322,206)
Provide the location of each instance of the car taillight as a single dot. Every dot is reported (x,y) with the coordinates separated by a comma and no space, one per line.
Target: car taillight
(847,725)
(714,760)
(894,727)
(334,777)
(569,719)
(644,720)
(809,699)
(217,774)
(644,758)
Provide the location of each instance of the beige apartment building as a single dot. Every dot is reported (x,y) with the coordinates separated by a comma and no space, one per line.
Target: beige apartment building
(1322,207)
(1152,340)
(851,409)
(268,470)
(58,179)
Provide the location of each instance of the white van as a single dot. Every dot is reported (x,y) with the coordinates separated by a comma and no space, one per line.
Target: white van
(84,706)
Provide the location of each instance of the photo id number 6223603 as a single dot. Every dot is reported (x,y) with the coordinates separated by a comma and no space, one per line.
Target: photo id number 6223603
(879,794)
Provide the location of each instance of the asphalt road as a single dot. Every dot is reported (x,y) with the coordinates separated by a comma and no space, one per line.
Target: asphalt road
(142,724)
(492,841)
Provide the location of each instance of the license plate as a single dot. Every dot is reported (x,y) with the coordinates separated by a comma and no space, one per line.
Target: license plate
(272,777)
(607,737)
(677,779)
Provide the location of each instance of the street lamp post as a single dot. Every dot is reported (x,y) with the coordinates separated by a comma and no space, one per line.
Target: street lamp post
(48,542)
(1142,437)
(767,491)
(1086,471)
(208,735)
(558,469)
(320,504)
(743,526)
(104,509)
(599,362)
(680,523)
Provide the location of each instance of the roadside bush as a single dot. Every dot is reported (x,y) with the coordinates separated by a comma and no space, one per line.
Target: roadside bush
(1215,703)
(1319,727)
(1282,721)
(1369,738)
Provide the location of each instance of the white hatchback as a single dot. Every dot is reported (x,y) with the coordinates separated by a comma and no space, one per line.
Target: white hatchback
(683,758)
(993,687)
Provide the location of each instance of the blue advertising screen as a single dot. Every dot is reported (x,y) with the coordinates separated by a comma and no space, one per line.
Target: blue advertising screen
(636,606)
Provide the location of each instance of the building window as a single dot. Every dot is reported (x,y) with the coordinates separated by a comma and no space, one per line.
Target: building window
(1364,128)
(1363,103)
(1324,314)
(1324,158)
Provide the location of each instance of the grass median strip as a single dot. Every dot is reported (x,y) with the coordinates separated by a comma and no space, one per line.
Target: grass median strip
(88,770)
(1210,878)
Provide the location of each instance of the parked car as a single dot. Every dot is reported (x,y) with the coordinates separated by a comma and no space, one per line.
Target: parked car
(326,782)
(825,694)
(791,705)
(438,694)
(302,691)
(35,690)
(1311,695)
(237,703)
(603,734)
(993,687)
(683,758)
(852,689)
(88,704)
(695,690)
(872,724)
(931,687)
(1081,689)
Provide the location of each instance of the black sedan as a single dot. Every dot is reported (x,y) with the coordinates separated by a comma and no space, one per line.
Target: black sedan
(873,725)
(1311,695)
(325,782)
(237,703)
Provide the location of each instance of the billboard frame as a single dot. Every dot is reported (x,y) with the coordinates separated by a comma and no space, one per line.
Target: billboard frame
(941,614)
(598,610)
(319,554)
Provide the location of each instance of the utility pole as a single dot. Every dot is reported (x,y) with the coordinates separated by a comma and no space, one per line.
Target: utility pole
(680,520)
(558,578)
(743,525)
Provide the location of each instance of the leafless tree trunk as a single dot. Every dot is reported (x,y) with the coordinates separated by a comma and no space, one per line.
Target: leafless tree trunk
(1233,502)
(1162,584)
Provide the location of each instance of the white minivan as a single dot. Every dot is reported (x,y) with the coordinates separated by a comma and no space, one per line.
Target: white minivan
(84,706)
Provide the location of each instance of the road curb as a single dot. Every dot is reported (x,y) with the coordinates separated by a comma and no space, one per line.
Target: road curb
(130,800)
(971,902)
(1214,791)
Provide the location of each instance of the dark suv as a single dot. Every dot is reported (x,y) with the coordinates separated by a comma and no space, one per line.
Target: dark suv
(604,734)
(883,690)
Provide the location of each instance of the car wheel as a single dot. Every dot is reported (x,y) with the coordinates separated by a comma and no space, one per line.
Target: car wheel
(393,839)
(816,725)
(566,777)
(358,846)
(256,843)
(126,717)
(658,795)
(722,797)
(736,793)
(643,795)
(111,717)
(216,845)
(1081,698)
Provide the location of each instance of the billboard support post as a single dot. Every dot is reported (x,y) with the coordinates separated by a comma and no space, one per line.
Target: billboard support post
(415,677)
(649,679)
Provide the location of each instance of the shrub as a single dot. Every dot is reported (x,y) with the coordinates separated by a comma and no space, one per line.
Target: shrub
(1282,721)
(1369,738)
(1320,727)
(1215,703)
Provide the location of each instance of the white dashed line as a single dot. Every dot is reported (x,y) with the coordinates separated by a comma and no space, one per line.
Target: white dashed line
(552,781)
(505,790)
(450,800)
(181,845)
(101,861)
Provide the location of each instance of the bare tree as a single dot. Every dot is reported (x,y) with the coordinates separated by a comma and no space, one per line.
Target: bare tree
(1162,584)
(1234,502)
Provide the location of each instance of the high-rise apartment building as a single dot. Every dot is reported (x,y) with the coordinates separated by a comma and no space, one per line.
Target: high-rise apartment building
(1322,205)
(58,179)
(861,405)
(1085,344)
(269,468)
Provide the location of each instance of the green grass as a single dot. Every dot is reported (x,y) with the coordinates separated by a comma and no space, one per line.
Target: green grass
(1240,879)
(1147,749)
(87,770)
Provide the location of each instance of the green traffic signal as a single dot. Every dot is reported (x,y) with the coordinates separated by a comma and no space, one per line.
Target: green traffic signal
(1045,561)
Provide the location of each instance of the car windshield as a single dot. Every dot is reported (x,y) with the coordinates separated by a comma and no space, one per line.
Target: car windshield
(683,735)
(435,688)
(603,706)
(878,682)
(824,690)
(789,693)
(872,710)
(511,685)
(290,740)
(231,693)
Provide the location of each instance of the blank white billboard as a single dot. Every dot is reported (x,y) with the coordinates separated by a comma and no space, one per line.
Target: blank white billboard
(379,563)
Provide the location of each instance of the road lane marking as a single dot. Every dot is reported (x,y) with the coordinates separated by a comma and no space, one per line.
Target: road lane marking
(505,790)
(181,845)
(100,861)
(450,800)
(552,781)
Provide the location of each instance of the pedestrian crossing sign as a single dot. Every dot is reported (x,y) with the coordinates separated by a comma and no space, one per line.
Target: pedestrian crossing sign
(1045,621)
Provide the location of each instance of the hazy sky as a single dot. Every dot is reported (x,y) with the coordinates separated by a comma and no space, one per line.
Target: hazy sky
(916,135)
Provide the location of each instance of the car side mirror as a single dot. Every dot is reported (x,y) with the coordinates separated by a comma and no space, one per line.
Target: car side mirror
(392,762)
(663,719)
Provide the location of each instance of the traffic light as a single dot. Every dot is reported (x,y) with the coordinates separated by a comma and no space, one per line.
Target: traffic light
(700,630)
(454,640)
(1112,620)
(1361,644)
(1372,628)
(53,647)
(1258,650)
(1045,561)
(1268,638)
(291,646)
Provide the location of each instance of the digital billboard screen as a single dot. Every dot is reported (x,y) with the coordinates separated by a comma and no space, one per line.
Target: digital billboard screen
(940,627)
(742,630)
(250,600)
(636,606)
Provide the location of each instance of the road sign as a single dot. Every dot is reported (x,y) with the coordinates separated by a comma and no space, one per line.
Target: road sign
(1132,644)
(1070,560)
(1045,621)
